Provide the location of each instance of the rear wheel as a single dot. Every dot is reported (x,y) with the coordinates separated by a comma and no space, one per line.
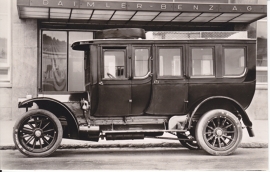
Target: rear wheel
(37,133)
(219,132)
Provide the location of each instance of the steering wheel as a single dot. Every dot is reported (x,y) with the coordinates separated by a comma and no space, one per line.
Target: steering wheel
(110,76)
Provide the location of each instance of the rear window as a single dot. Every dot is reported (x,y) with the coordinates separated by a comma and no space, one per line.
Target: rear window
(234,61)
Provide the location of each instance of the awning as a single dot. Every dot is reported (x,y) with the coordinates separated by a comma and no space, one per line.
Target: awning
(121,13)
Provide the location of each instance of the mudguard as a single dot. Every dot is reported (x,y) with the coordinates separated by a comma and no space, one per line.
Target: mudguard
(239,108)
(41,101)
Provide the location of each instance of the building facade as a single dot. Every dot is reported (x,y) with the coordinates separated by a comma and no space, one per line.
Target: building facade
(36,37)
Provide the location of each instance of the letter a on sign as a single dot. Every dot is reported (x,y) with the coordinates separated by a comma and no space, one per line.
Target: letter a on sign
(60,3)
(234,8)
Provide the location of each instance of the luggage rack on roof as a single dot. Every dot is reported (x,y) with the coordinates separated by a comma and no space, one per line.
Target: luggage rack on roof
(171,35)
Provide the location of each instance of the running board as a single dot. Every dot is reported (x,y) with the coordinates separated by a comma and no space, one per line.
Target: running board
(169,138)
(143,131)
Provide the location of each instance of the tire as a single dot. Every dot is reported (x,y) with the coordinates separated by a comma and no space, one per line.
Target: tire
(219,132)
(37,133)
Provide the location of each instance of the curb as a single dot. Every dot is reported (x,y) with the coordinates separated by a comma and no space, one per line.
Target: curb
(141,145)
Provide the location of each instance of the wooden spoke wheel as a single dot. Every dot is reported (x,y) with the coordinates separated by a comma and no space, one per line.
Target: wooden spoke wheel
(219,132)
(37,133)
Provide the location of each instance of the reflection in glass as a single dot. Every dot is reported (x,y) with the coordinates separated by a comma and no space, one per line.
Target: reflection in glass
(141,62)
(114,64)
(76,62)
(3,37)
(170,62)
(234,59)
(54,61)
(262,43)
(202,62)
(5,41)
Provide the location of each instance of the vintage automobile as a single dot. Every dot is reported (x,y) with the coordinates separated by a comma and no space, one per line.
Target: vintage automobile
(195,89)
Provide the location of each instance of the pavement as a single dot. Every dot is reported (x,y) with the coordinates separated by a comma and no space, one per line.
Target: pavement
(260,128)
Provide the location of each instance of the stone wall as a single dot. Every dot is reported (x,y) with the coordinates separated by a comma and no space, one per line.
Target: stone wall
(258,109)
(23,63)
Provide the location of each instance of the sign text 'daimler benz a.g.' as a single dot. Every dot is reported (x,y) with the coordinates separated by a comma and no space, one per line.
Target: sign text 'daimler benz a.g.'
(147,6)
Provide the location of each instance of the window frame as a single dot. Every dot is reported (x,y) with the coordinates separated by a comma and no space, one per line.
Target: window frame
(223,61)
(150,58)
(214,55)
(182,61)
(102,74)
(7,66)
(40,57)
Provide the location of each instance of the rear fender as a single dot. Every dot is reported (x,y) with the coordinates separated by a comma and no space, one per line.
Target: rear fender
(235,104)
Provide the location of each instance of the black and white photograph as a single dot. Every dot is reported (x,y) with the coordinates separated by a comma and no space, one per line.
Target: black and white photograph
(134,85)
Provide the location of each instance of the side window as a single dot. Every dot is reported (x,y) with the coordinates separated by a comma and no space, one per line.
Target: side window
(170,62)
(114,64)
(141,62)
(202,61)
(234,61)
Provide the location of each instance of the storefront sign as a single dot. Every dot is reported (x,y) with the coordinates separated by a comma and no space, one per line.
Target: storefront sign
(147,6)
(56,3)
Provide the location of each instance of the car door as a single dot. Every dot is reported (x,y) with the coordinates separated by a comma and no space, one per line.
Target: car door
(170,86)
(141,81)
(114,83)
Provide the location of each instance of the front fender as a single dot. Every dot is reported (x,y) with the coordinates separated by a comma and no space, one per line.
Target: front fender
(51,105)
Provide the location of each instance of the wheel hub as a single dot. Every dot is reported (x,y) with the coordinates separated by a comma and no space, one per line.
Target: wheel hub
(38,133)
(219,132)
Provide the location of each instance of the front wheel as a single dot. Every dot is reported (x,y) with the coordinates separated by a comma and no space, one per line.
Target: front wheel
(37,133)
(219,132)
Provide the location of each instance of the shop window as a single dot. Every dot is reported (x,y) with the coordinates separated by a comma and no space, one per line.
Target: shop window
(234,61)
(262,51)
(76,62)
(141,62)
(170,62)
(262,43)
(62,68)
(114,64)
(5,68)
(202,62)
(54,61)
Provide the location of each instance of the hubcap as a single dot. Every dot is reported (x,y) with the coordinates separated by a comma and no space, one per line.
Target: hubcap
(219,132)
(38,133)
